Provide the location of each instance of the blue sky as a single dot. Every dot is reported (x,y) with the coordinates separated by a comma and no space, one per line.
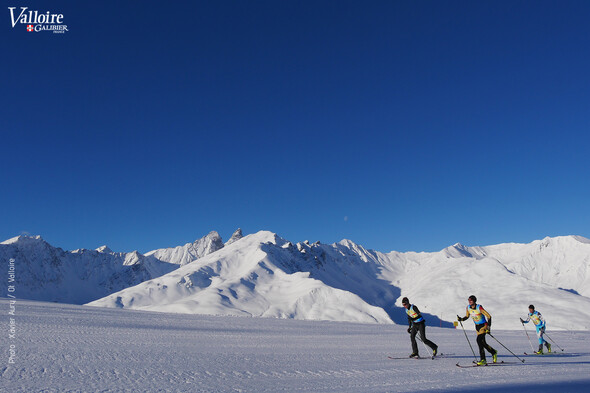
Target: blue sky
(399,125)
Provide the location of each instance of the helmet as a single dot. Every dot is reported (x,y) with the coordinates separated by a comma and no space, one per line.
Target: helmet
(532,307)
(405,301)
(472,297)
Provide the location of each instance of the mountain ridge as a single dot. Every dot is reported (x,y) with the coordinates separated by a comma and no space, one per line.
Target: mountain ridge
(264,275)
(79,276)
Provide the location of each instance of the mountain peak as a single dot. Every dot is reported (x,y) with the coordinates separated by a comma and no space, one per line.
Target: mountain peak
(237,235)
(212,242)
(132,258)
(104,249)
(181,255)
(458,250)
(25,239)
(347,243)
(213,234)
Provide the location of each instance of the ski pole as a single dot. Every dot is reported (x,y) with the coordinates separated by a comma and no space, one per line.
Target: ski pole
(424,344)
(475,357)
(545,334)
(527,334)
(489,334)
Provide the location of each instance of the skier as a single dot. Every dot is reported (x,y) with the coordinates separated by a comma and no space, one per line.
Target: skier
(539,322)
(483,322)
(417,324)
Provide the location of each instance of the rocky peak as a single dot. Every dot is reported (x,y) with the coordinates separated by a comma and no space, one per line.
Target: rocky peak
(237,235)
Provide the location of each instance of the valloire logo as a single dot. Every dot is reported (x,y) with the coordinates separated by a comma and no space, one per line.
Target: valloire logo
(36,21)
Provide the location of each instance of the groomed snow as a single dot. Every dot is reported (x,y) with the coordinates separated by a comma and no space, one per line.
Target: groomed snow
(77,348)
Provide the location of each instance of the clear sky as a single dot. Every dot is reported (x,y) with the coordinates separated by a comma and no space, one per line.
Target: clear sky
(401,125)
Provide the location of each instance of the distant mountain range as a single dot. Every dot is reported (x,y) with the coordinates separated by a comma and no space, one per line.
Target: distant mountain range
(264,275)
(47,273)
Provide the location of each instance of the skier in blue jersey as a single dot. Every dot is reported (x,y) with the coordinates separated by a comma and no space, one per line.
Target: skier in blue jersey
(539,323)
(417,323)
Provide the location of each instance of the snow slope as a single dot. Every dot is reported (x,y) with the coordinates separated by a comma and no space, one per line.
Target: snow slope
(253,277)
(562,262)
(553,274)
(75,348)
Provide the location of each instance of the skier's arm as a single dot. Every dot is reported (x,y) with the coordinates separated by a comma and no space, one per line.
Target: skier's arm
(488,323)
(486,314)
(417,312)
(466,317)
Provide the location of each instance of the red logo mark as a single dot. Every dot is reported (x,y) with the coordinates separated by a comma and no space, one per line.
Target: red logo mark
(29,27)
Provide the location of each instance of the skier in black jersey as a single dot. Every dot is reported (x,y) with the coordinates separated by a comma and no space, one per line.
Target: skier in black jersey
(417,324)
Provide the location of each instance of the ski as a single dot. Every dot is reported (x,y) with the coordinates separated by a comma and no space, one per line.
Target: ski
(439,355)
(543,354)
(502,363)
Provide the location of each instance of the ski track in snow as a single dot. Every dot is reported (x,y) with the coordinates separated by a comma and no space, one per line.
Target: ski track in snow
(77,348)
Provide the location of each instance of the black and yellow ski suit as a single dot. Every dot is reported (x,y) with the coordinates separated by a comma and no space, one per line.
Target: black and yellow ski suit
(483,321)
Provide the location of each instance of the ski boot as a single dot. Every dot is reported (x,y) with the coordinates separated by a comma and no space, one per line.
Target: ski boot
(482,362)
(495,357)
(434,351)
(548,347)
(414,355)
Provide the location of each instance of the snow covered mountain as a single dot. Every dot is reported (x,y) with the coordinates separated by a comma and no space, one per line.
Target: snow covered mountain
(264,275)
(260,275)
(553,274)
(44,272)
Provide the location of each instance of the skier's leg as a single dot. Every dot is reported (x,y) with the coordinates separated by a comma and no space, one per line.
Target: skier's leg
(546,342)
(426,341)
(413,339)
(487,346)
(481,343)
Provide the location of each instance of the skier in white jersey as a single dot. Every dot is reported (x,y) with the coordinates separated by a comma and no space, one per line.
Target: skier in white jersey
(539,323)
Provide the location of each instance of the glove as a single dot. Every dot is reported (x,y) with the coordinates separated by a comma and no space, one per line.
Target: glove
(459,318)
(521,320)
(487,328)
(409,330)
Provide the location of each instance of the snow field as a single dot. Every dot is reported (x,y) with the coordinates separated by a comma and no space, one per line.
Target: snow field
(78,348)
